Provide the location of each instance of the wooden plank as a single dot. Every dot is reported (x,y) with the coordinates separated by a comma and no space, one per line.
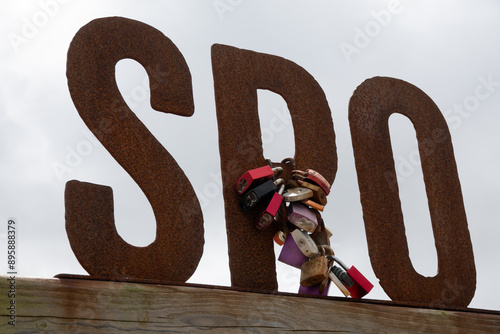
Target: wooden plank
(92,306)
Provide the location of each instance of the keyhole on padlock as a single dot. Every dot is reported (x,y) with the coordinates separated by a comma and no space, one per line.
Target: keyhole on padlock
(278,141)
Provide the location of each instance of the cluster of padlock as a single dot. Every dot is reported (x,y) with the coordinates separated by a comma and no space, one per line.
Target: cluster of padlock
(295,205)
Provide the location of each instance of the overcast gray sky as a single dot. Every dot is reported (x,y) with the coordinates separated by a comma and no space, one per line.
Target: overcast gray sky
(449,49)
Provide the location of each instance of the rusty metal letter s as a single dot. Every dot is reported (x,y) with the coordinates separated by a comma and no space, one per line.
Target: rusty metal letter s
(92,56)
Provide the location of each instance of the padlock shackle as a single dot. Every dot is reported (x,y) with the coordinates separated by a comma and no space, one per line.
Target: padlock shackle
(281,190)
(289,160)
(336,259)
(277,170)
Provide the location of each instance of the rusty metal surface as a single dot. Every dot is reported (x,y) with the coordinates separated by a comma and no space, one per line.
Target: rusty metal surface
(369,109)
(237,76)
(177,249)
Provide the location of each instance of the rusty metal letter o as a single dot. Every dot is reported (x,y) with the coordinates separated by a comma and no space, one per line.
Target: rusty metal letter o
(369,109)
(92,57)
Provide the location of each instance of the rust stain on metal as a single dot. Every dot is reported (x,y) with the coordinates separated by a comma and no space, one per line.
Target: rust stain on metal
(237,76)
(369,109)
(177,249)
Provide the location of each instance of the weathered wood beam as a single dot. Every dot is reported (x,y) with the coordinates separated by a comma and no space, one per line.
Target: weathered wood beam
(93,306)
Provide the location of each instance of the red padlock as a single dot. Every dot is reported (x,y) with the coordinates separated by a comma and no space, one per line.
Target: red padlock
(361,286)
(255,176)
(267,216)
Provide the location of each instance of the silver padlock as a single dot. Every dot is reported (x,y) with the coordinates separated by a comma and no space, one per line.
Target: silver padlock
(305,243)
(297,194)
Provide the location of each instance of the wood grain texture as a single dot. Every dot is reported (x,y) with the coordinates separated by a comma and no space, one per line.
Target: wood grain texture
(91,306)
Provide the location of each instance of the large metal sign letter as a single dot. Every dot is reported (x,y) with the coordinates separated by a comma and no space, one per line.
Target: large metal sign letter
(369,109)
(238,74)
(177,249)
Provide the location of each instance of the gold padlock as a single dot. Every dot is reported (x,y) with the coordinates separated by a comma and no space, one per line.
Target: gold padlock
(314,271)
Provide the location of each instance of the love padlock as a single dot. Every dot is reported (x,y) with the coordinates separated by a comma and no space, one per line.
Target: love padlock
(255,176)
(314,271)
(322,234)
(297,194)
(320,289)
(338,283)
(311,175)
(259,193)
(291,253)
(360,285)
(319,195)
(342,275)
(302,217)
(267,216)
(305,243)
